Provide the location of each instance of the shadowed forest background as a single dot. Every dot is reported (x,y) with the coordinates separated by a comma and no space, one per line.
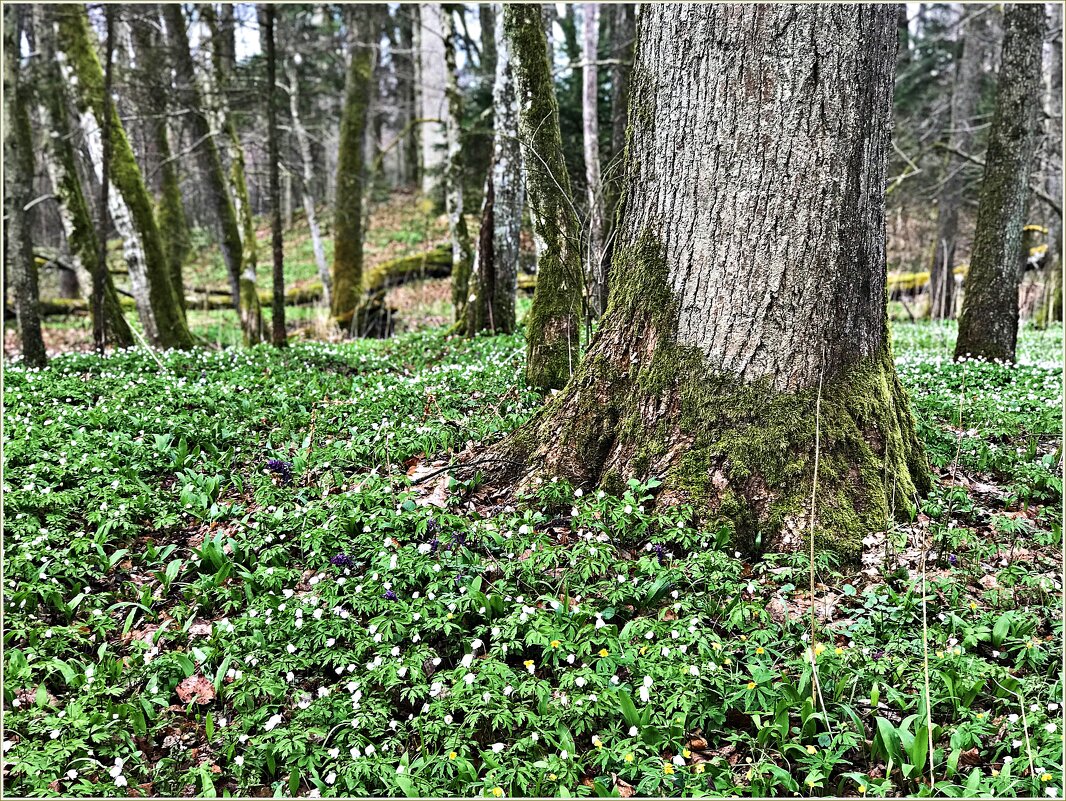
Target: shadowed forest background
(555,400)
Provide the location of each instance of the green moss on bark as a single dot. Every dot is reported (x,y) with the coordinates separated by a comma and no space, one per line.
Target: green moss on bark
(642,404)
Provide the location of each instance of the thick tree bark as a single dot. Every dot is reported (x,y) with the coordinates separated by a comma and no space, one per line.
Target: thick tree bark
(988,323)
(170,210)
(74,209)
(553,327)
(965,95)
(347,270)
(748,316)
(494,277)
(594,266)
(131,205)
(267,15)
(453,182)
(18,189)
(240,264)
(432,93)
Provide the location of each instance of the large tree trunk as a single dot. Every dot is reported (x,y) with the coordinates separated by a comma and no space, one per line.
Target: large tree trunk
(495,272)
(432,96)
(404,60)
(965,95)
(131,205)
(239,259)
(553,327)
(748,319)
(18,188)
(590,94)
(267,15)
(170,210)
(988,323)
(347,273)
(74,209)
(453,184)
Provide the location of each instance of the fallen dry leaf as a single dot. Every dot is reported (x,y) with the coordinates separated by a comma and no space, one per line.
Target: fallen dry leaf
(197,689)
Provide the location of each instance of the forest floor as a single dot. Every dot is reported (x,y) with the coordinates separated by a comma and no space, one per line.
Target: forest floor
(220,579)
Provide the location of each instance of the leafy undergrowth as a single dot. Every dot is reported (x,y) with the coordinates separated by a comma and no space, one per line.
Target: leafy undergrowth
(220,580)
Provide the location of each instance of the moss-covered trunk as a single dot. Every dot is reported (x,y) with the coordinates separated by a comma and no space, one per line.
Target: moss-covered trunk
(239,259)
(553,327)
(988,322)
(494,277)
(347,270)
(965,95)
(18,188)
(161,314)
(462,255)
(74,208)
(747,316)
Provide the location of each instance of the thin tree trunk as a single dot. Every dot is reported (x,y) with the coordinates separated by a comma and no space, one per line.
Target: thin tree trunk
(988,323)
(405,60)
(347,271)
(240,269)
(1052,309)
(623,32)
(594,266)
(553,327)
(487,21)
(109,322)
(131,206)
(303,144)
(432,93)
(726,355)
(494,276)
(18,188)
(267,16)
(965,95)
(453,188)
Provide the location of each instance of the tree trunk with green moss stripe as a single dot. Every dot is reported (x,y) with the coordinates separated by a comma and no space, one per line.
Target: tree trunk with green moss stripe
(462,255)
(74,211)
(749,281)
(166,326)
(553,326)
(347,270)
(18,186)
(988,323)
(241,271)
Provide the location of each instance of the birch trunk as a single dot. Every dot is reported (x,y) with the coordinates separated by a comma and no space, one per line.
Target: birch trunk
(129,202)
(18,187)
(594,266)
(453,184)
(74,212)
(965,95)
(494,277)
(432,94)
(307,176)
(988,323)
(553,327)
(748,312)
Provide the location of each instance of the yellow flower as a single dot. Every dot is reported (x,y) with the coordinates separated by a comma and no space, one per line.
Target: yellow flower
(727,661)
(556,643)
(862,789)
(810,782)
(450,616)
(760,650)
(811,749)
(939,654)
(716,646)
(552,776)
(604,652)
(452,755)
(668,768)
(973,605)
(596,741)
(1046,777)
(980,715)
(643,650)
(957,651)
(628,758)
(686,753)
(528,663)
(1030,645)
(838,650)
(818,649)
(751,685)
(994,773)
(743,637)
(699,767)
(497,791)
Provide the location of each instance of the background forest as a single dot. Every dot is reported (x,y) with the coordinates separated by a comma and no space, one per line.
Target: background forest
(326,471)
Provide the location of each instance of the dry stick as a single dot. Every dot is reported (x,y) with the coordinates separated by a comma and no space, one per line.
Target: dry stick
(925,665)
(816,687)
(1025,728)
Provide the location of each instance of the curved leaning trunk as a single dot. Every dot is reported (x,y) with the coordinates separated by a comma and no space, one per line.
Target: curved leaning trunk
(747,317)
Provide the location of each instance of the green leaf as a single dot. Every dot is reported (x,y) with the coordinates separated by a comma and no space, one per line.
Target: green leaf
(1001,629)
(294,781)
(629,709)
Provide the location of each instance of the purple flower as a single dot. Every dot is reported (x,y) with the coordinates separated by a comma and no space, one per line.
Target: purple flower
(283,469)
(953,559)
(660,552)
(342,560)
(389,595)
